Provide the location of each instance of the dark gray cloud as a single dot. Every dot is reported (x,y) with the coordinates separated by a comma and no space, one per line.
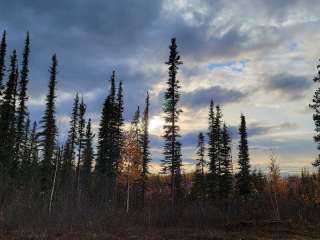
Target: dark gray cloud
(218,94)
(286,85)
(91,38)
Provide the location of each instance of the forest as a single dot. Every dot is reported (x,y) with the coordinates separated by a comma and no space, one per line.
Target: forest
(100,181)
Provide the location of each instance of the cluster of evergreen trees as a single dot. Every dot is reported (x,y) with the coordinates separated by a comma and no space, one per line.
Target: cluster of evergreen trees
(214,178)
(35,164)
(32,161)
(216,182)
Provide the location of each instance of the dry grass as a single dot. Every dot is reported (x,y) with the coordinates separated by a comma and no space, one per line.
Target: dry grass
(237,231)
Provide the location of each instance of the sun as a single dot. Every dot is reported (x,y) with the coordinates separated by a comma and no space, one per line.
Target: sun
(155,124)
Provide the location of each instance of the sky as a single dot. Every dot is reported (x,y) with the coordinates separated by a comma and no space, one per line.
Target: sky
(250,56)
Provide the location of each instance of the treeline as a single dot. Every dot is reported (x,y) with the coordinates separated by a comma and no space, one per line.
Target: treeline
(39,173)
(35,165)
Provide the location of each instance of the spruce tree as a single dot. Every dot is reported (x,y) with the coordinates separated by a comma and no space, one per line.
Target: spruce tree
(87,160)
(22,98)
(74,122)
(243,181)
(199,182)
(225,182)
(212,153)
(316,116)
(119,123)
(104,168)
(81,131)
(108,145)
(49,131)
(145,150)
(172,149)
(8,164)
(114,141)
(218,140)
(3,49)
(68,155)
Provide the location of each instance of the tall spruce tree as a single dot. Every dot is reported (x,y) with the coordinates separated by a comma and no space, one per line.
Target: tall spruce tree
(316,115)
(172,149)
(145,150)
(8,164)
(68,156)
(119,123)
(108,145)
(73,131)
(212,154)
(3,49)
(87,160)
(199,182)
(104,168)
(49,131)
(218,139)
(243,179)
(22,111)
(113,146)
(225,182)
(81,131)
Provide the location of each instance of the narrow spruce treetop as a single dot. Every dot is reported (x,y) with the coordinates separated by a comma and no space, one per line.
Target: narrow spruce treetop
(243,146)
(218,138)
(74,122)
(82,121)
(113,87)
(315,105)
(3,49)
(22,95)
(120,106)
(243,176)
(211,139)
(48,122)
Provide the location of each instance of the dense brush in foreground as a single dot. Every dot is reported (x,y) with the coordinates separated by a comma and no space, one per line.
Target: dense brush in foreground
(254,219)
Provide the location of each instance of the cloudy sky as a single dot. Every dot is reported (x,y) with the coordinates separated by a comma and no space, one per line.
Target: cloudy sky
(252,57)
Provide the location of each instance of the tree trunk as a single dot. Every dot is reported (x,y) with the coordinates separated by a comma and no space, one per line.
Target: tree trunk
(54,182)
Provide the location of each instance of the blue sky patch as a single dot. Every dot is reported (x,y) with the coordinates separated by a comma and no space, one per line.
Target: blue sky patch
(236,66)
